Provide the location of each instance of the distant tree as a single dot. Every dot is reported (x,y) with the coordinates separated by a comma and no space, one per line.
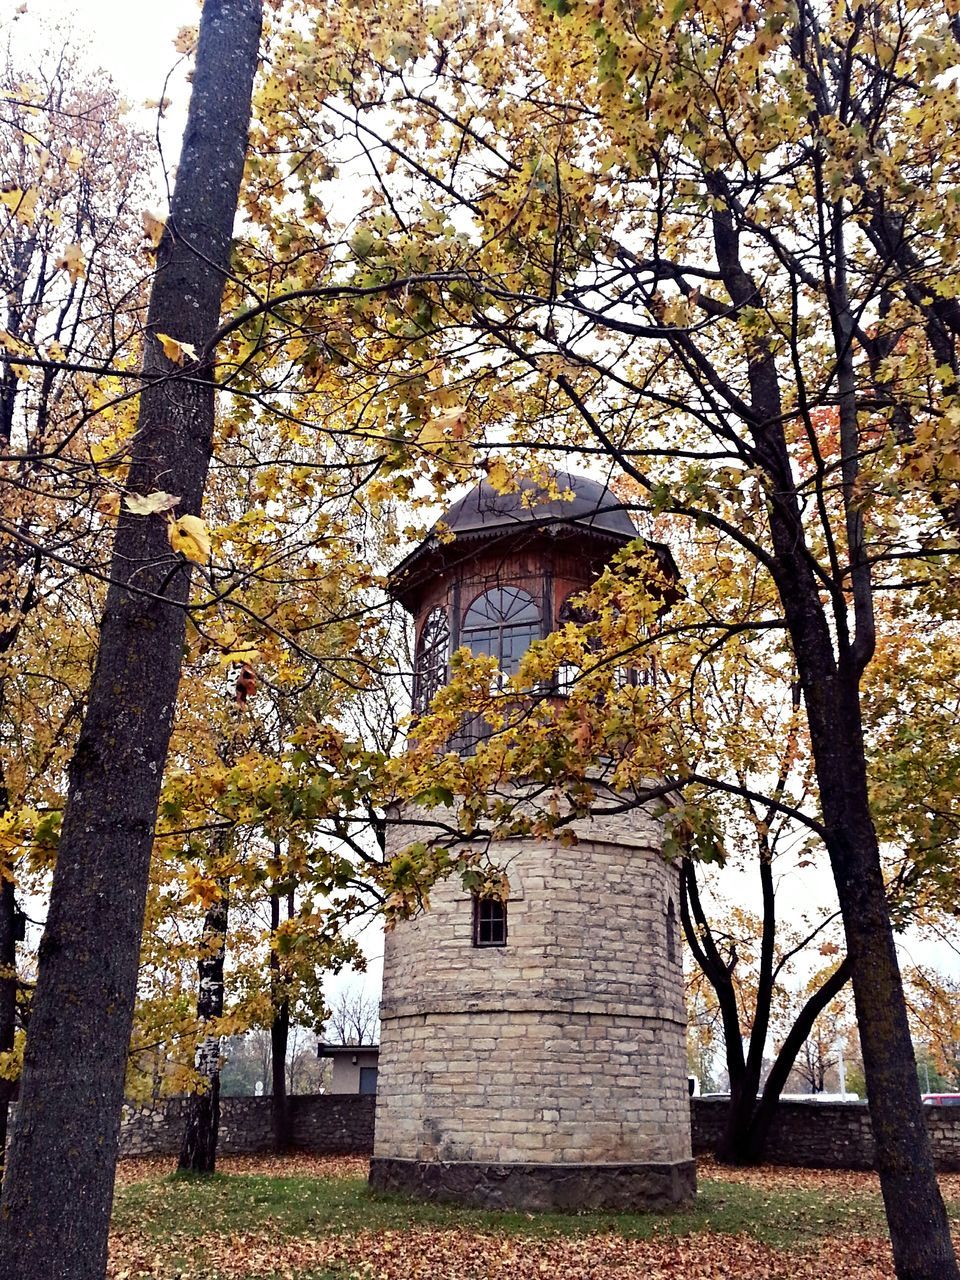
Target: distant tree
(305,1070)
(817,1066)
(246,1063)
(354,1018)
(934,1000)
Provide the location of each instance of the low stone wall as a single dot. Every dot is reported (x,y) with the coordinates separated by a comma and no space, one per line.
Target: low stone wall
(326,1124)
(826,1135)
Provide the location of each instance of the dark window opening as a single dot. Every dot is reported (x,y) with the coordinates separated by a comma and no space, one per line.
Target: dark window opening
(671,933)
(368,1079)
(504,623)
(431,666)
(489,922)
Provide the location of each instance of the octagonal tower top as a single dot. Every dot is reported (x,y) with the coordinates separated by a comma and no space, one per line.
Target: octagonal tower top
(591,523)
(510,571)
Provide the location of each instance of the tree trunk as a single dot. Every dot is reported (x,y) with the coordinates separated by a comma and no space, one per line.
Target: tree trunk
(58,1190)
(8,997)
(917,1219)
(745,1135)
(915,1211)
(198,1152)
(279,1035)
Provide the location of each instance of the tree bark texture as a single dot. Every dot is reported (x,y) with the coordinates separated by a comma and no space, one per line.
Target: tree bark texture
(916,1215)
(279,1034)
(198,1151)
(57,1194)
(8,997)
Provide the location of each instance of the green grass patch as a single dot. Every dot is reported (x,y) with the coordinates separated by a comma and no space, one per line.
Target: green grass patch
(187,1207)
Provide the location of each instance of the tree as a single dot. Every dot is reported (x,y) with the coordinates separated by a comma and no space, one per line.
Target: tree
(246,1063)
(72,171)
(198,1151)
(715,245)
(354,1018)
(58,1189)
(819,1060)
(749,963)
(935,1015)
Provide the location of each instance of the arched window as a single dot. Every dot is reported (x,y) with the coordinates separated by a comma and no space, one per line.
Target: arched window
(503,622)
(431,666)
(671,933)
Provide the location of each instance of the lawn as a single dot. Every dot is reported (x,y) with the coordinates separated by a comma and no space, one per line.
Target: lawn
(312,1218)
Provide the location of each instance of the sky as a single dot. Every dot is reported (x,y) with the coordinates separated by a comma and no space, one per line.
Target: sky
(130,39)
(134,42)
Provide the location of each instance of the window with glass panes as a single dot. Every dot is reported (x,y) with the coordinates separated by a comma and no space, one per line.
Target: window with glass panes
(489,922)
(503,622)
(431,667)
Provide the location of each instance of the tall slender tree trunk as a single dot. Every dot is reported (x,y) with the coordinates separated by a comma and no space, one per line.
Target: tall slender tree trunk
(919,1229)
(58,1191)
(198,1151)
(8,997)
(279,1033)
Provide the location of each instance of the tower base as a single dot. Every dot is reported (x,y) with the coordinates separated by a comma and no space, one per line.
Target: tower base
(622,1188)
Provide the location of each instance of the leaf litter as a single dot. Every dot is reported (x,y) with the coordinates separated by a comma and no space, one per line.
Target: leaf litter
(463,1253)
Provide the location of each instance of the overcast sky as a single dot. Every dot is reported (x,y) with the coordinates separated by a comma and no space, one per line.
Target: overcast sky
(130,39)
(134,41)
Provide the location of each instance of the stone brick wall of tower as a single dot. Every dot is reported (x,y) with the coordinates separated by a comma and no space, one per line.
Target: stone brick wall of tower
(567,1044)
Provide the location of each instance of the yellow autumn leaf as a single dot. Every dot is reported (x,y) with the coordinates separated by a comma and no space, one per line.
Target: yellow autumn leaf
(21,203)
(107,454)
(239,656)
(149,504)
(56,352)
(72,262)
(186,40)
(200,888)
(74,158)
(444,429)
(499,475)
(189,536)
(12,344)
(175,350)
(152,226)
(430,435)
(108,504)
(452,420)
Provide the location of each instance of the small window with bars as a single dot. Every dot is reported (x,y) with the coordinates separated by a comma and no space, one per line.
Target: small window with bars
(489,922)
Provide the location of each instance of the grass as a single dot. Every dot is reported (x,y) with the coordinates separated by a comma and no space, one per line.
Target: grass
(313,1218)
(307,1206)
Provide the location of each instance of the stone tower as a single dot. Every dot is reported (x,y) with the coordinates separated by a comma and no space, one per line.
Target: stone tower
(532,1053)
